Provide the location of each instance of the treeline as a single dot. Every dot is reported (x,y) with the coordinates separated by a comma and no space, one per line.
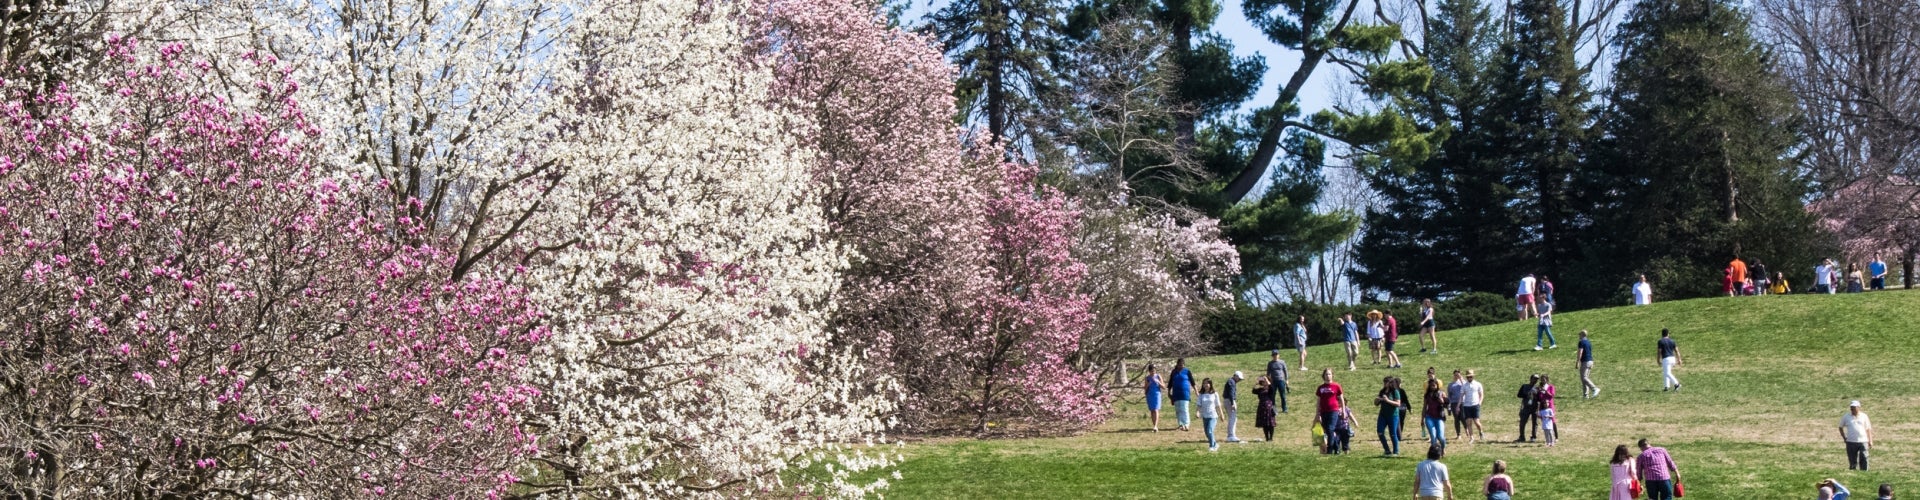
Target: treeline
(1245,329)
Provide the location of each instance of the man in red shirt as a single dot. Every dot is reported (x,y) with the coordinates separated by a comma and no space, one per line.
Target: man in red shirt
(1393,335)
(1332,414)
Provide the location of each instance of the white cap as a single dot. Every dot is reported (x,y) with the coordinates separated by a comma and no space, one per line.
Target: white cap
(1237,376)
(1856,404)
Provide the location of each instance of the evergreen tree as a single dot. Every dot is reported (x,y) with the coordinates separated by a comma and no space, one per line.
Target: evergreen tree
(1541,97)
(1696,160)
(1006,51)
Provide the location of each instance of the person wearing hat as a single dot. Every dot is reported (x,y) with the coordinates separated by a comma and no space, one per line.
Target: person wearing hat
(1277,376)
(1857,431)
(1229,396)
(1829,489)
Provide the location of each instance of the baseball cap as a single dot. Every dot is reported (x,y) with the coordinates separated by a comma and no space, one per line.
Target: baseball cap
(1856,404)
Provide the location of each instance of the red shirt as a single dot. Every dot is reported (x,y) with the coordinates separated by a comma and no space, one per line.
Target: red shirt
(1393,329)
(1329,397)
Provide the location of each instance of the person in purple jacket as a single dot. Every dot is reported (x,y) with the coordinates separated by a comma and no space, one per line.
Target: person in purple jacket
(1657,471)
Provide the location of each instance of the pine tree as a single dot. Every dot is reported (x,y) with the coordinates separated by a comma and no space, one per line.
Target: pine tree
(1006,51)
(1540,94)
(1696,160)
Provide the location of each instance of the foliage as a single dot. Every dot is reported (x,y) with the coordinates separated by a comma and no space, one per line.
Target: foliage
(1151,279)
(1006,52)
(201,311)
(1249,328)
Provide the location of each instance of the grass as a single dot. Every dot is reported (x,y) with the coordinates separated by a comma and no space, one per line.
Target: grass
(1767,379)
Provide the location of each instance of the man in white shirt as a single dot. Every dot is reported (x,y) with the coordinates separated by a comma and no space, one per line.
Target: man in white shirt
(1823,277)
(1523,299)
(1642,292)
(1470,400)
(1857,431)
(1430,479)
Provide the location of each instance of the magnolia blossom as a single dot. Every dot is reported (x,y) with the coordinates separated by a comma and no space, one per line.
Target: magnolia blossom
(197,310)
(1152,278)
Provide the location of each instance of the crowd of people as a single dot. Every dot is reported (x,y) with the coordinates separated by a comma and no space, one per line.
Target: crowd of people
(1652,472)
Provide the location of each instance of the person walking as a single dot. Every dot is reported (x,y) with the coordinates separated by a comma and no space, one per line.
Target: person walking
(1376,333)
(1739,268)
(1626,483)
(1642,292)
(1264,416)
(1543,395)
(1433,412)
(1456,391)
(1857,431)
(1657,472)
(1427,328)
(1583,361)
(1277,377)
(1823,277)
(1386,425)
(1829,489)
(1528,410)
(1393,336)
(1877,271)
(1523,299)
(1352,332)
(1760,277)
(1332,405)
(1545,331)
(1669,353)
(1299,344)
(1230,401)
(1154,388)
(1430,478)
(1180,388)
(1498,486)
(1209,404)
(1470,400)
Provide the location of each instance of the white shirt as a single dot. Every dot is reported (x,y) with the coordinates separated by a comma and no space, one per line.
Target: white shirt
(1856,427)
(1473,394)
(1642,294)
(1822,275)
(1208,404)
(1432,477)
(1526,286)
(1375,330)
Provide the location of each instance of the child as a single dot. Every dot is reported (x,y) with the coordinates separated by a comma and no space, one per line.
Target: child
(1547,426)
(1545,331)
(1210,411)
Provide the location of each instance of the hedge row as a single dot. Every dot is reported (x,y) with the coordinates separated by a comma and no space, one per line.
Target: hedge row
(1249,328)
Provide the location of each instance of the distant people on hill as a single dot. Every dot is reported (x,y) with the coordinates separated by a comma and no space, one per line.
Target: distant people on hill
(1528,409)
(1498,486)
(1154,388)
(1658,472)
(1829,489)
(1277,376)
(1393,337)
(1209,404)
(1230,402)
(1386,425)
(1433,412)
(1626,481)
(1430,478)
(1854,279)
(1779,285)
(1583,360)
(1727,282)
(1545,330)
(1427,327)
(1548,416)
(1877,271)
(1760,277)
(1332,414)
(1739,268)
(1857,430)
(1544,291)
(1642,292)
(1180,387)
(1376,333)
(1300,341)
(1669,357)
(1823,277)
(1264,417)
(1352,332)
(1470,399)
(1523,299)
(1456,390)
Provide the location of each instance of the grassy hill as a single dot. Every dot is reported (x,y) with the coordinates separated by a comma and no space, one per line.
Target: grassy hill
(1767,379)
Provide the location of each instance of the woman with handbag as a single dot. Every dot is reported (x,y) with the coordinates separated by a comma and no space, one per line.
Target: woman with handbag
(1625,486)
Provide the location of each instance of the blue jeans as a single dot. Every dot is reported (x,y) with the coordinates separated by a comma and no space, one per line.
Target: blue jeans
(1499,495)
(1545,332)
(1207,423)
(1180,412)
(1281,391)
(1659,489)
(1436,430)
(1332,422)
(1388,427)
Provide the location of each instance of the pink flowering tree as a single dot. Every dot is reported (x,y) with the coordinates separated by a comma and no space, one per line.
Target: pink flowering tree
(1152,279)
(1875,217)
(197,311)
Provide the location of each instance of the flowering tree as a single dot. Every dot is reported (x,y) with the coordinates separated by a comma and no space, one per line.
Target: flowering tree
(1151,279)
(197,311)
(1875,217)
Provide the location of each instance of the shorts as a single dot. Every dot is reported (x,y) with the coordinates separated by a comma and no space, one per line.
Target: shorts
(1426,324)
(1470,412)
(1300,343)
(1524,299)
(1390,346)
(1373,344)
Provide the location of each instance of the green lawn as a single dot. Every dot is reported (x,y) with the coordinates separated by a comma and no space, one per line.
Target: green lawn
(1767,379)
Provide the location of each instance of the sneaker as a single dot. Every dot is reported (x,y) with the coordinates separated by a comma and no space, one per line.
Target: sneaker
(1536,347)
(1233,440)
(1423,351)
(1596,392)
(1555,346)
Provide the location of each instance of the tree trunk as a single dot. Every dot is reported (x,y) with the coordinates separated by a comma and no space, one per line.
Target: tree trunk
(1906,267)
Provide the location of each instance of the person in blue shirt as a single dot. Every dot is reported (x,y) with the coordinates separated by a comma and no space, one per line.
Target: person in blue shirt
(1583,355)
(1180,386)
(1878,269)
(1154,388)
(1352,331)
